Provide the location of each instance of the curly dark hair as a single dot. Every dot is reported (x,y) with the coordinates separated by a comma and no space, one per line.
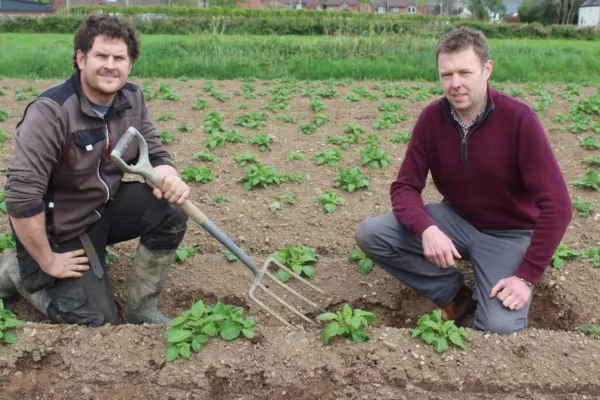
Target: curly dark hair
(109,26)
(460,39)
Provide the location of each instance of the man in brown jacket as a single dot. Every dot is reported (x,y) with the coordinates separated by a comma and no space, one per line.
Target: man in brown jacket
(63,191)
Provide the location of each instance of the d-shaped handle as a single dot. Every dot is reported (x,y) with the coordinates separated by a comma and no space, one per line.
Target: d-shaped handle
(143,166)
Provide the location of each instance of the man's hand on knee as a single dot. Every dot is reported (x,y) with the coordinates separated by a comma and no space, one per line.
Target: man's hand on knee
(512,292)
(438,248)
(66,265)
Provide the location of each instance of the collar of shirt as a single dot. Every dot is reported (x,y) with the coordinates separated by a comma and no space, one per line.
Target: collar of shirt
(464,127)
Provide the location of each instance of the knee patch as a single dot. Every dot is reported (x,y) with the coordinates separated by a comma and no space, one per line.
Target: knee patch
(169,232)
(74,307)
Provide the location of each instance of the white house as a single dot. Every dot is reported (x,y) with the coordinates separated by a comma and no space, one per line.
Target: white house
(589,13)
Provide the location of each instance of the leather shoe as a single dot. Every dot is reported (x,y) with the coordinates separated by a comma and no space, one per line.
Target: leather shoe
(462,304)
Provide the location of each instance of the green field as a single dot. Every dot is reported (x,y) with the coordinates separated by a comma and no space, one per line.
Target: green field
(266,57)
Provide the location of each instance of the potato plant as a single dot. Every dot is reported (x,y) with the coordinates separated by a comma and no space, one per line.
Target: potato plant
(197,174)
(351,179)
(8,323)
(434,331)
(347,322)
(297,258)
(330,201)
(192,329)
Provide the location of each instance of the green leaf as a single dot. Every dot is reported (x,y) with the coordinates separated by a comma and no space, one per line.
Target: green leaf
(282,275)
(365,266)
(306,258)
(10,337)
(354,322)
(231,330)
(330,208)
(209,329)
(178,321)
(201,338)
(196,345)
(359,335)
(330,331)
(184,350)
(297,268)
(248,332)
(432,325)
(177,335)
(368,316)
(428,337)
(172,352)
(456,338)
(309,271)
(436,315)
(448,325)
(415,332)
(326,317)
(441,345)
(198,309)
(347,311)
(12,323)
(558,263)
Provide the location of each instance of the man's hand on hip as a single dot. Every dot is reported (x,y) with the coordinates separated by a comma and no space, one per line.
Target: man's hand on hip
(173,189)
(66,265)
(512,292)
(438,247)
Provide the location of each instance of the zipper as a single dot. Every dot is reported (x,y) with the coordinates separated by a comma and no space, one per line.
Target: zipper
(100,162)
(463,150)
(464,157)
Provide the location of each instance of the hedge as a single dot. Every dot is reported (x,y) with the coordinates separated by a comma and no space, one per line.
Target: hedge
(290,23)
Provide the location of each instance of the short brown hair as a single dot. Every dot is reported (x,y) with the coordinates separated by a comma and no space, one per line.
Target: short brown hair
(460,39)
(109,26)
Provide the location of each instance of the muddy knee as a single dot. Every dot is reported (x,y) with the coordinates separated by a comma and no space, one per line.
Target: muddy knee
(169,231)
(74,306)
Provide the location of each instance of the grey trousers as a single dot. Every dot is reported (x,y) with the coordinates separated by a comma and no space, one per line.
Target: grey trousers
(494,255)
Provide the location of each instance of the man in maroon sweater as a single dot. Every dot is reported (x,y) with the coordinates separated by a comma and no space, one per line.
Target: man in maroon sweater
(505,202)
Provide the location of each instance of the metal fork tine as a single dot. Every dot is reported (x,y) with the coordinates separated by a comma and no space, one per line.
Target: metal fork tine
(283,302)
(283,285)
(268,309)
(295,275)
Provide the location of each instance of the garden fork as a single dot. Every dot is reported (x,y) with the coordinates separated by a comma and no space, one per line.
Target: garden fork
(145,169)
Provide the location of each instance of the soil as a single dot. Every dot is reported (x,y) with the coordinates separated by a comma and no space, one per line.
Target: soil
(549,360)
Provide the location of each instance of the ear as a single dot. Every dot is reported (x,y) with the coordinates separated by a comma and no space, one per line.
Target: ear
(487,69)
(80,59)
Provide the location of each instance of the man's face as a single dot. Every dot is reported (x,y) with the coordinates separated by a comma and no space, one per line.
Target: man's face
(104,69)
(464,80)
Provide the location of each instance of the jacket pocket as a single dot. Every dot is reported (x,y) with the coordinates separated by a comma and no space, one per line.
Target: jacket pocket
(88,137)
(87,147)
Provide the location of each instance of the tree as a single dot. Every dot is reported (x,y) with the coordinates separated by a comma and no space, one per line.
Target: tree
(481,9)
(549,12)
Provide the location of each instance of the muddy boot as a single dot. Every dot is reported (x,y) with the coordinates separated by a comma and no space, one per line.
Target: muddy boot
(11,285)
(149,272)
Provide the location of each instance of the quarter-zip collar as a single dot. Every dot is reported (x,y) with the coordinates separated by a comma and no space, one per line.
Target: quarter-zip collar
(464,138)
(120,101)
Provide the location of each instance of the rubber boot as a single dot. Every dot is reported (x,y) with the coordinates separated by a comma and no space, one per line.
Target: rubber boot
(11,285)
(149,272)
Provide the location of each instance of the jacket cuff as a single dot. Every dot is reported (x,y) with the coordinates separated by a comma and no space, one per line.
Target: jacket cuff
(529,272)
(422,225)
(26,213)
